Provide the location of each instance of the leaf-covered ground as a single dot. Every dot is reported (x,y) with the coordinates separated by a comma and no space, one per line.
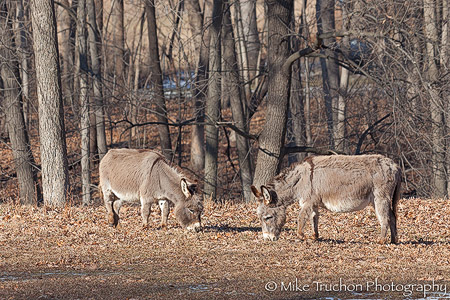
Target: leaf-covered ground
(71,253)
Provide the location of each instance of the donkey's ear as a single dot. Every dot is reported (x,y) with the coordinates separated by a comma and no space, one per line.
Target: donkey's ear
(185,188)
(266,195)
(255,191)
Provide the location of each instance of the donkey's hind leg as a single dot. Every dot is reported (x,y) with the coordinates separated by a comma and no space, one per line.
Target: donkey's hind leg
(146,207)
(383,213)
(393,226)
(164,206)
(108,198)
(315,221)
(303,216)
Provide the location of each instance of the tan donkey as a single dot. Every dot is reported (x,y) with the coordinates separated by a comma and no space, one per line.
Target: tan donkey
(338,183)
(145,176)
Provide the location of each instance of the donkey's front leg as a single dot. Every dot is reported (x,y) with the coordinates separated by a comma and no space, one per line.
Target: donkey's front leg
(146,208)
(164,206)
(301,221)
(315,221)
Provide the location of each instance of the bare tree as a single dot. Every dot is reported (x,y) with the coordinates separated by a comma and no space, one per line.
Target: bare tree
(250,34)
(29,190)
(156,80)
(55,180)
(436,104)
(341,110)
(330,69)
(232,85)
(81,52)
(201,34)
(272,137)
(95,53)
(24,52)
(213,101)
(66,49)
(118,45)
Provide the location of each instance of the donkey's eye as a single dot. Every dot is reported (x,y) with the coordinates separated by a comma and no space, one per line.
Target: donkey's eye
(268,217)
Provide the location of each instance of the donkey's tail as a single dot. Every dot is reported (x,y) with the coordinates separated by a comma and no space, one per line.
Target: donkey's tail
(100,190)
(397,194)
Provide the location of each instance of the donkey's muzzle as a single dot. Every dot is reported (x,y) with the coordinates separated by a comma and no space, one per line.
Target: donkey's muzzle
(194,227)
(269,237)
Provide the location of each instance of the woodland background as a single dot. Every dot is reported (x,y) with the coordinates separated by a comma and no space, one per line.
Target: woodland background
(231,91)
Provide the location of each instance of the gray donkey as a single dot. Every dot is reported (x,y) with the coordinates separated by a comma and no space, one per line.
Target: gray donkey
(338,183)
(145,176)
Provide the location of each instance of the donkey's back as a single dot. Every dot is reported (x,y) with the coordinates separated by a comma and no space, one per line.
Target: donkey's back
(350,183)
(125,170)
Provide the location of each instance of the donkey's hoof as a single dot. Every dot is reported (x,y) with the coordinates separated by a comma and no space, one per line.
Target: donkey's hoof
(301,235)
(382,241)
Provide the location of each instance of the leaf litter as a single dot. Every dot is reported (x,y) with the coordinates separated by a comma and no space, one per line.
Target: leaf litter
(71,253)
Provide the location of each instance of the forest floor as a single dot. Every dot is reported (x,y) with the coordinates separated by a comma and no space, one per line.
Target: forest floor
(71,253)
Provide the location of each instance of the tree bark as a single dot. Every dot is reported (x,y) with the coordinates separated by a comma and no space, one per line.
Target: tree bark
(330,69)
(118,46)
(232,86)
(250,33)
(445,62)
(436,104)
(307,105)
(66,51)
(213,101)
(202,41)
(340,130)
(81,52)
(297,112)
(22,44)
(157,82)
(95,54)
(29,190)
(55,179)
(272,137)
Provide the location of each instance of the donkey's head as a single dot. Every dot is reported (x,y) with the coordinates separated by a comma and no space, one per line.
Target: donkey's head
(271,214)
(188,211)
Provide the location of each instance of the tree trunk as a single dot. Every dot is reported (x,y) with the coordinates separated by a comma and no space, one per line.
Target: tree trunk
(157,82)
(436,104)
(445,62)
(296,126)
(272,137)
(73,62)
(202,35)
(250,33)
(243,51)
(307,106)
(340,130)
(95,54)
(29,190)
(22,44)
(213,101)
(233,87)
(330,69)
(55,179)
(297,113)
(84,102)
(118,46)
(66,52)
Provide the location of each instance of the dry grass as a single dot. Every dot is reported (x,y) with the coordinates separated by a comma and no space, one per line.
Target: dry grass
(71,253)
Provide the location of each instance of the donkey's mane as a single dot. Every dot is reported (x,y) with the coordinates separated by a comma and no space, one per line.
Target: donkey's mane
(286,171)
(173,166)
